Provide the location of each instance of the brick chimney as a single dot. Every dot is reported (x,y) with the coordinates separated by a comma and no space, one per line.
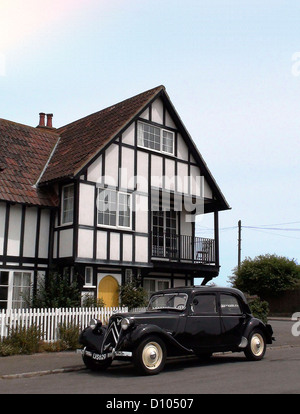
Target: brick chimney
(42,123)
(42,119)
(49,120)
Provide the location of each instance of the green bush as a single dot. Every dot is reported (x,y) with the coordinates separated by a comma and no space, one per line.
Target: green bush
(68,336)
(259,308)
(133,296)
(21,340)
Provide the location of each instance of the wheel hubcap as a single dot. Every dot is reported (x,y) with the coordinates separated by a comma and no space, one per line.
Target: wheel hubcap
(152,355)
(257,345)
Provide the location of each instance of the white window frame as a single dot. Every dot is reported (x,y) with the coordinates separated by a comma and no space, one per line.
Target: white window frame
(156,281)
(162,130)
(63,206)
(11,273)
(117,225)
(86,282)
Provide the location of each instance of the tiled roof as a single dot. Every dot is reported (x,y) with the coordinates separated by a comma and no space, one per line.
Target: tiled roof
(81,140)
(24,152)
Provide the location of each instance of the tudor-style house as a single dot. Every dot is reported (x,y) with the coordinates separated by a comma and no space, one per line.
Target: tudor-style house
(107,198)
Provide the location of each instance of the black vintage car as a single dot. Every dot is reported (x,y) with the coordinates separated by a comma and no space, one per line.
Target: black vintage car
(182,321)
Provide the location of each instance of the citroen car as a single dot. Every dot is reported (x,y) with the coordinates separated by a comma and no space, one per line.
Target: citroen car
(177,322)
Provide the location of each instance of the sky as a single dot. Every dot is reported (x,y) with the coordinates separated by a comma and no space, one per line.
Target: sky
(230,67)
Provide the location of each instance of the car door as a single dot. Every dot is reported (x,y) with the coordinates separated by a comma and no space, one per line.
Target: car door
(233,320)
(203,327)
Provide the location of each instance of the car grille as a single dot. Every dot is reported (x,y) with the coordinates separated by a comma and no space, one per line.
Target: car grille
(112,334)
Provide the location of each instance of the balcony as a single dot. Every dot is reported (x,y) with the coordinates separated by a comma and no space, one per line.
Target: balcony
(184,249)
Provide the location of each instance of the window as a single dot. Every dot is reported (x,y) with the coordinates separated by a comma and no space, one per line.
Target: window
(230,305)
(152,285)
(21,290)
(204,304)
(114,209)
(155,138)
(4,281)
(88,280)
(67,204)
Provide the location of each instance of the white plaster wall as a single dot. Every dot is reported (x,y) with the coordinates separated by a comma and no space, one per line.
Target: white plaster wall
(156,171)
(87,204)
(182,149)
(141,217)
(101,245)
(127,175)
(114,246)
(127,248)
(44,234)
(141,249)
(142,171)
(128,135)
(94,172)
(66,243)
(111,165)
(30,232)
(2,225)
(85,243)
(14,231)
(157,111)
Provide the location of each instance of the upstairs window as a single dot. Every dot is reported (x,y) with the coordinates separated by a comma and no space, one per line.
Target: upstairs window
(155,138)
(114,208)
(67,204)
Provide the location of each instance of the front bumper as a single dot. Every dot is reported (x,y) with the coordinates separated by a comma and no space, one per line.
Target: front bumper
(102,357)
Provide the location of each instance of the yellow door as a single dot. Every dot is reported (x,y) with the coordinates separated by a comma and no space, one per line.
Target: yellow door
(108,290)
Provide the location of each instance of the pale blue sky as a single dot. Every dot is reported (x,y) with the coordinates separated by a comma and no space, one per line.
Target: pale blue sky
(227,66)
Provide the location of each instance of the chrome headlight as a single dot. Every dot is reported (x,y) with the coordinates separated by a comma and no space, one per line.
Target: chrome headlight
(94,322)
(126,323)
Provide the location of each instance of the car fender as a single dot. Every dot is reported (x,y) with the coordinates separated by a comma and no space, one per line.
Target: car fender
(255,323)
(141,331)
(92,338)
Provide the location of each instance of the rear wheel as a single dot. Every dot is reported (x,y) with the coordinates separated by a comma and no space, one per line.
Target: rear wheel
(256,348)
(150,356)
(94,365)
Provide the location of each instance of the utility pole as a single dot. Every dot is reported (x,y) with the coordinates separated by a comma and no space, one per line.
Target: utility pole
(239,243)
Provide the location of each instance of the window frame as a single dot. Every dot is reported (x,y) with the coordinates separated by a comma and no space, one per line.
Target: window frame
(237,300)
(91,275)
(199,314)
(62,222)
(118,193)
(161,138)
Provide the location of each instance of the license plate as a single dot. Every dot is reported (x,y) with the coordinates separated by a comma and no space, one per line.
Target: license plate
(97,357)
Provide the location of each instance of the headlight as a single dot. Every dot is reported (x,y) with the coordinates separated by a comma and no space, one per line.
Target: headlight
(94,322)
(126,323)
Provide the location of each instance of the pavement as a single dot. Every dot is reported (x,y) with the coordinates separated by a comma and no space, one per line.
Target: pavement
(20,366)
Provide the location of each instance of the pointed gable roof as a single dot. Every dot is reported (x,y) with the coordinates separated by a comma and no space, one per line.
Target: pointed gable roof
(24,152)
(83,139)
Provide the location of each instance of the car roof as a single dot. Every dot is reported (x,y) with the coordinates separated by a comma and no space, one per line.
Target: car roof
(194,289)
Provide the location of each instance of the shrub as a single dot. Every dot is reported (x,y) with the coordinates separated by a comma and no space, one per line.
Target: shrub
(68,336)
(133,296)
(259,308)
(21,340)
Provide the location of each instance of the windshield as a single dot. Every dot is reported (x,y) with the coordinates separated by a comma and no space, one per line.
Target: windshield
(168,301)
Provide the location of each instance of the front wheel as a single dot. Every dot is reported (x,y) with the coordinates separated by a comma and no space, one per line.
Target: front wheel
(150,356)
(96,365)
(256,348)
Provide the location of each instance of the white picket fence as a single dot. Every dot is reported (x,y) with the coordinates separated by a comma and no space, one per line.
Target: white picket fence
(49,320)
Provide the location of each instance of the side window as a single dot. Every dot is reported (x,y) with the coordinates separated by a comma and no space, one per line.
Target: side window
(204,304)
(230,305)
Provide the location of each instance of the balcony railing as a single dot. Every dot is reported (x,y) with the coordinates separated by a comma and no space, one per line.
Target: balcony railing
(183,248)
